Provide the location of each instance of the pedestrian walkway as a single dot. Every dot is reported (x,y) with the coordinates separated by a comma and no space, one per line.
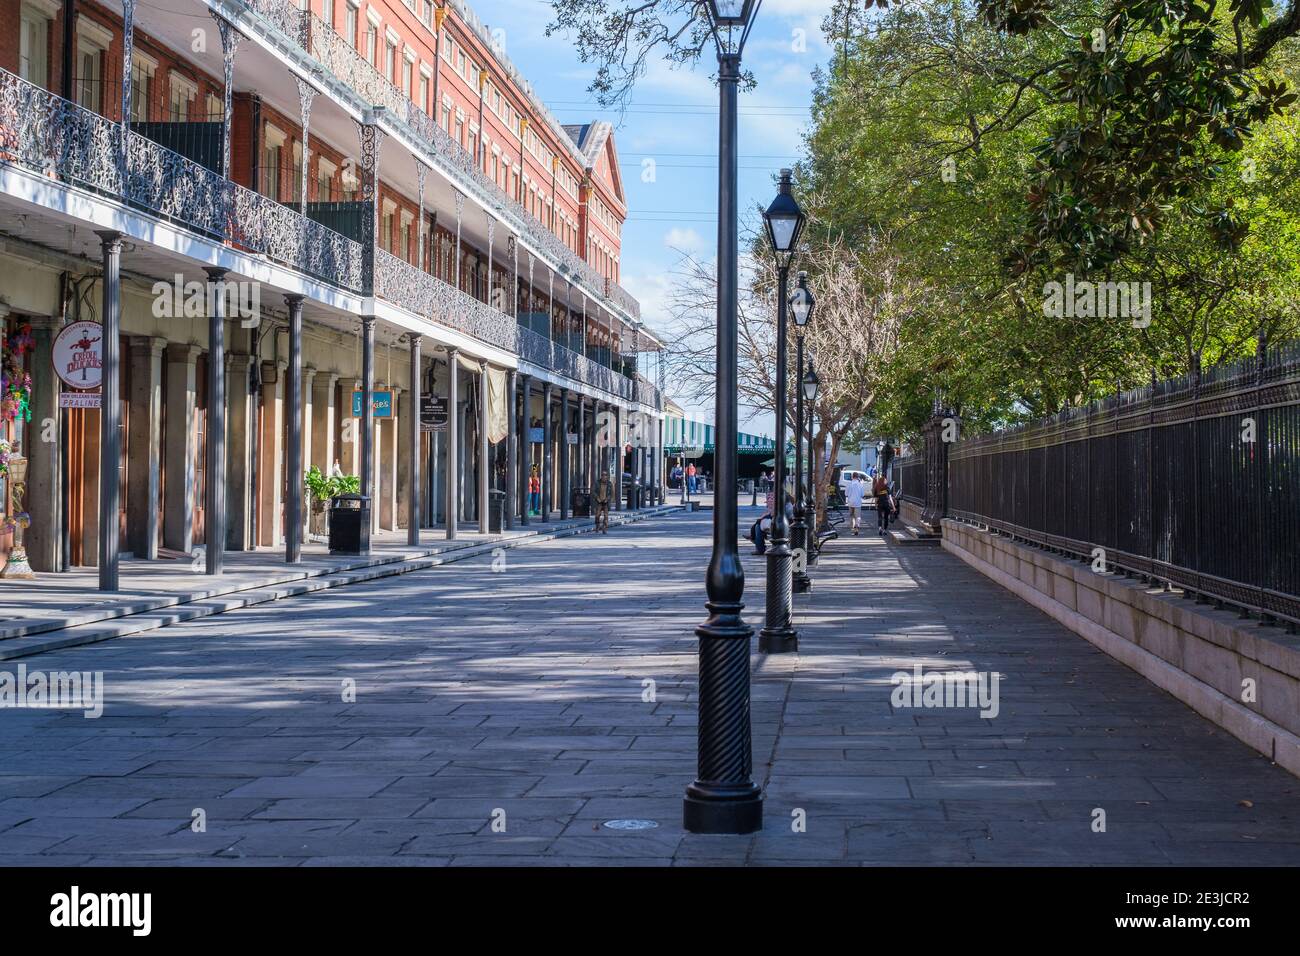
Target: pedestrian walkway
(61,610)
(504,712)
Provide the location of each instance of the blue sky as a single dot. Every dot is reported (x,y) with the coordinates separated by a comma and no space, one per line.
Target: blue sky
(672,120)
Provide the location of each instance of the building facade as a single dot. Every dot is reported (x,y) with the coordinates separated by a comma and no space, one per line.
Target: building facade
(295,226)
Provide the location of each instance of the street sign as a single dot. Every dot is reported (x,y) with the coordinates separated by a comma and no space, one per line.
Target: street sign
(78,354)
(79,400)
(695,452)
(571,438)
(433,413)
(382,402)
(536,435)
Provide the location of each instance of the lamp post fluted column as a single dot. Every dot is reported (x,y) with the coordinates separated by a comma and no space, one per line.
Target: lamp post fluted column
(799,531)
(777,635)
(724,798)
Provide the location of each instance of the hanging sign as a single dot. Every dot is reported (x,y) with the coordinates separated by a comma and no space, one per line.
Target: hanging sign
(382,402)
(78,354)
(572,438)
(536,435)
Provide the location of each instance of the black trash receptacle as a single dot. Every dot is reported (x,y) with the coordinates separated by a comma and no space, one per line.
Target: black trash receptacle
(350,524)
(580,502)
(496,511)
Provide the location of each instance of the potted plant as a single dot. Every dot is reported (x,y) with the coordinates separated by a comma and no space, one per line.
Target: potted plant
(321,488)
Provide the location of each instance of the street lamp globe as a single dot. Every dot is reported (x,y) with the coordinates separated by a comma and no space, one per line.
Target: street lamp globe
(784,219)
(802,303)
(731,13)
(811,383)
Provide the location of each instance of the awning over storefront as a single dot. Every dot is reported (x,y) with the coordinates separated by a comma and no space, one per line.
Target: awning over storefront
(682,433)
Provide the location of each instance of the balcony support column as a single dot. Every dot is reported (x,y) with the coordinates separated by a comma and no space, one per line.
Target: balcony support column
(214,485)
(484,450)
(453,443)
(413,434)
(513,247)
(564,454)
(460,210)
(617,446)
(547,470)
(492,233)
(306,93)
(229,41)
(420,172)
(372,141)
(293,507)
(128,43)
(525,445)
(110,411)
(512,455)
(368,410)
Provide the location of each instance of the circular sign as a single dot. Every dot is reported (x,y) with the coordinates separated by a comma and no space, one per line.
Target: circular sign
(78,354)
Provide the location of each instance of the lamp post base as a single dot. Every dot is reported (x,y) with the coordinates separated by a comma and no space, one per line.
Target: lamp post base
(777,635)
(722,809)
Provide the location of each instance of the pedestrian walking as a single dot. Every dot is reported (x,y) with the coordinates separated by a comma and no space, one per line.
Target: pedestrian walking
(604,490)
(534,492)
(854,495)
(880,488)
(690,478)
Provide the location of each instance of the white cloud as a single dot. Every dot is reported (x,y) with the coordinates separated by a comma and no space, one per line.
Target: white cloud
(684,240)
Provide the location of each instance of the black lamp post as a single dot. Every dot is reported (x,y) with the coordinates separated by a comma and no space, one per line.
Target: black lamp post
(802,304)
(724,798)
(784,221)
(808,387)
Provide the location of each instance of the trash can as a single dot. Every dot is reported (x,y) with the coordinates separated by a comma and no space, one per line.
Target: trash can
(350,524)
(496,511)
(580,502)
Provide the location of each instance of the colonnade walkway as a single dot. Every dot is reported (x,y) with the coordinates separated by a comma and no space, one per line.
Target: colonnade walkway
(481,714)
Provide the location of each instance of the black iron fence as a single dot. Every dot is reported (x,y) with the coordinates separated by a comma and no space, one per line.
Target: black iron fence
(1192,482)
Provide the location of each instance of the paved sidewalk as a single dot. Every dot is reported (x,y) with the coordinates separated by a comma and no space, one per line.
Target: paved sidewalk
(63,610)
(516,696)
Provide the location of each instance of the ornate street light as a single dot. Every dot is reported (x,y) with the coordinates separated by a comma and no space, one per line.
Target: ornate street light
(802,305)
(784,221)
(809,386)
(724,798)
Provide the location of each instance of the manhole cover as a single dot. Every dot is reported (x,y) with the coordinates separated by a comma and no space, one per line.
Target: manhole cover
(631,824)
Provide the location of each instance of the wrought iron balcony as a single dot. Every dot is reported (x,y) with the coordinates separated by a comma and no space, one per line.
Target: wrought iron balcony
(324,44)
(429,297)
(64,141)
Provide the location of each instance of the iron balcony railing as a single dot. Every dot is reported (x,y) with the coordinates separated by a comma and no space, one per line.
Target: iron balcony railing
(353,70)
(399,282)
(64,141)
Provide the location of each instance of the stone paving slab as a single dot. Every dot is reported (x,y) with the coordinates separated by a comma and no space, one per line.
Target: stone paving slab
(502,718)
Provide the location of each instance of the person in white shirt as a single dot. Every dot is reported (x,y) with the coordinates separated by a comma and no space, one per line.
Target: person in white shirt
(854,495)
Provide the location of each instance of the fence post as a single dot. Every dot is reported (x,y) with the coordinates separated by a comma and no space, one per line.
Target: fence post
(936,471)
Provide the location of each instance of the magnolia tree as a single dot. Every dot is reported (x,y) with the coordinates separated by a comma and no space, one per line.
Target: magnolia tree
(862,302)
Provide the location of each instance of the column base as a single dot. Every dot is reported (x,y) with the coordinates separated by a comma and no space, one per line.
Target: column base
(781,640)
(802,583)
(722,809)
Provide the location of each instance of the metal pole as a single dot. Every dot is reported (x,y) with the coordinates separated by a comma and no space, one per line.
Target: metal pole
(778,636)
(723,798)
(512,456)
(413,494)
(564,454)
(484,454)
(214,482)
(293,507)
(453,441)
(525,446)
(110,412)
(547,472)
(368,410)
(799,532)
